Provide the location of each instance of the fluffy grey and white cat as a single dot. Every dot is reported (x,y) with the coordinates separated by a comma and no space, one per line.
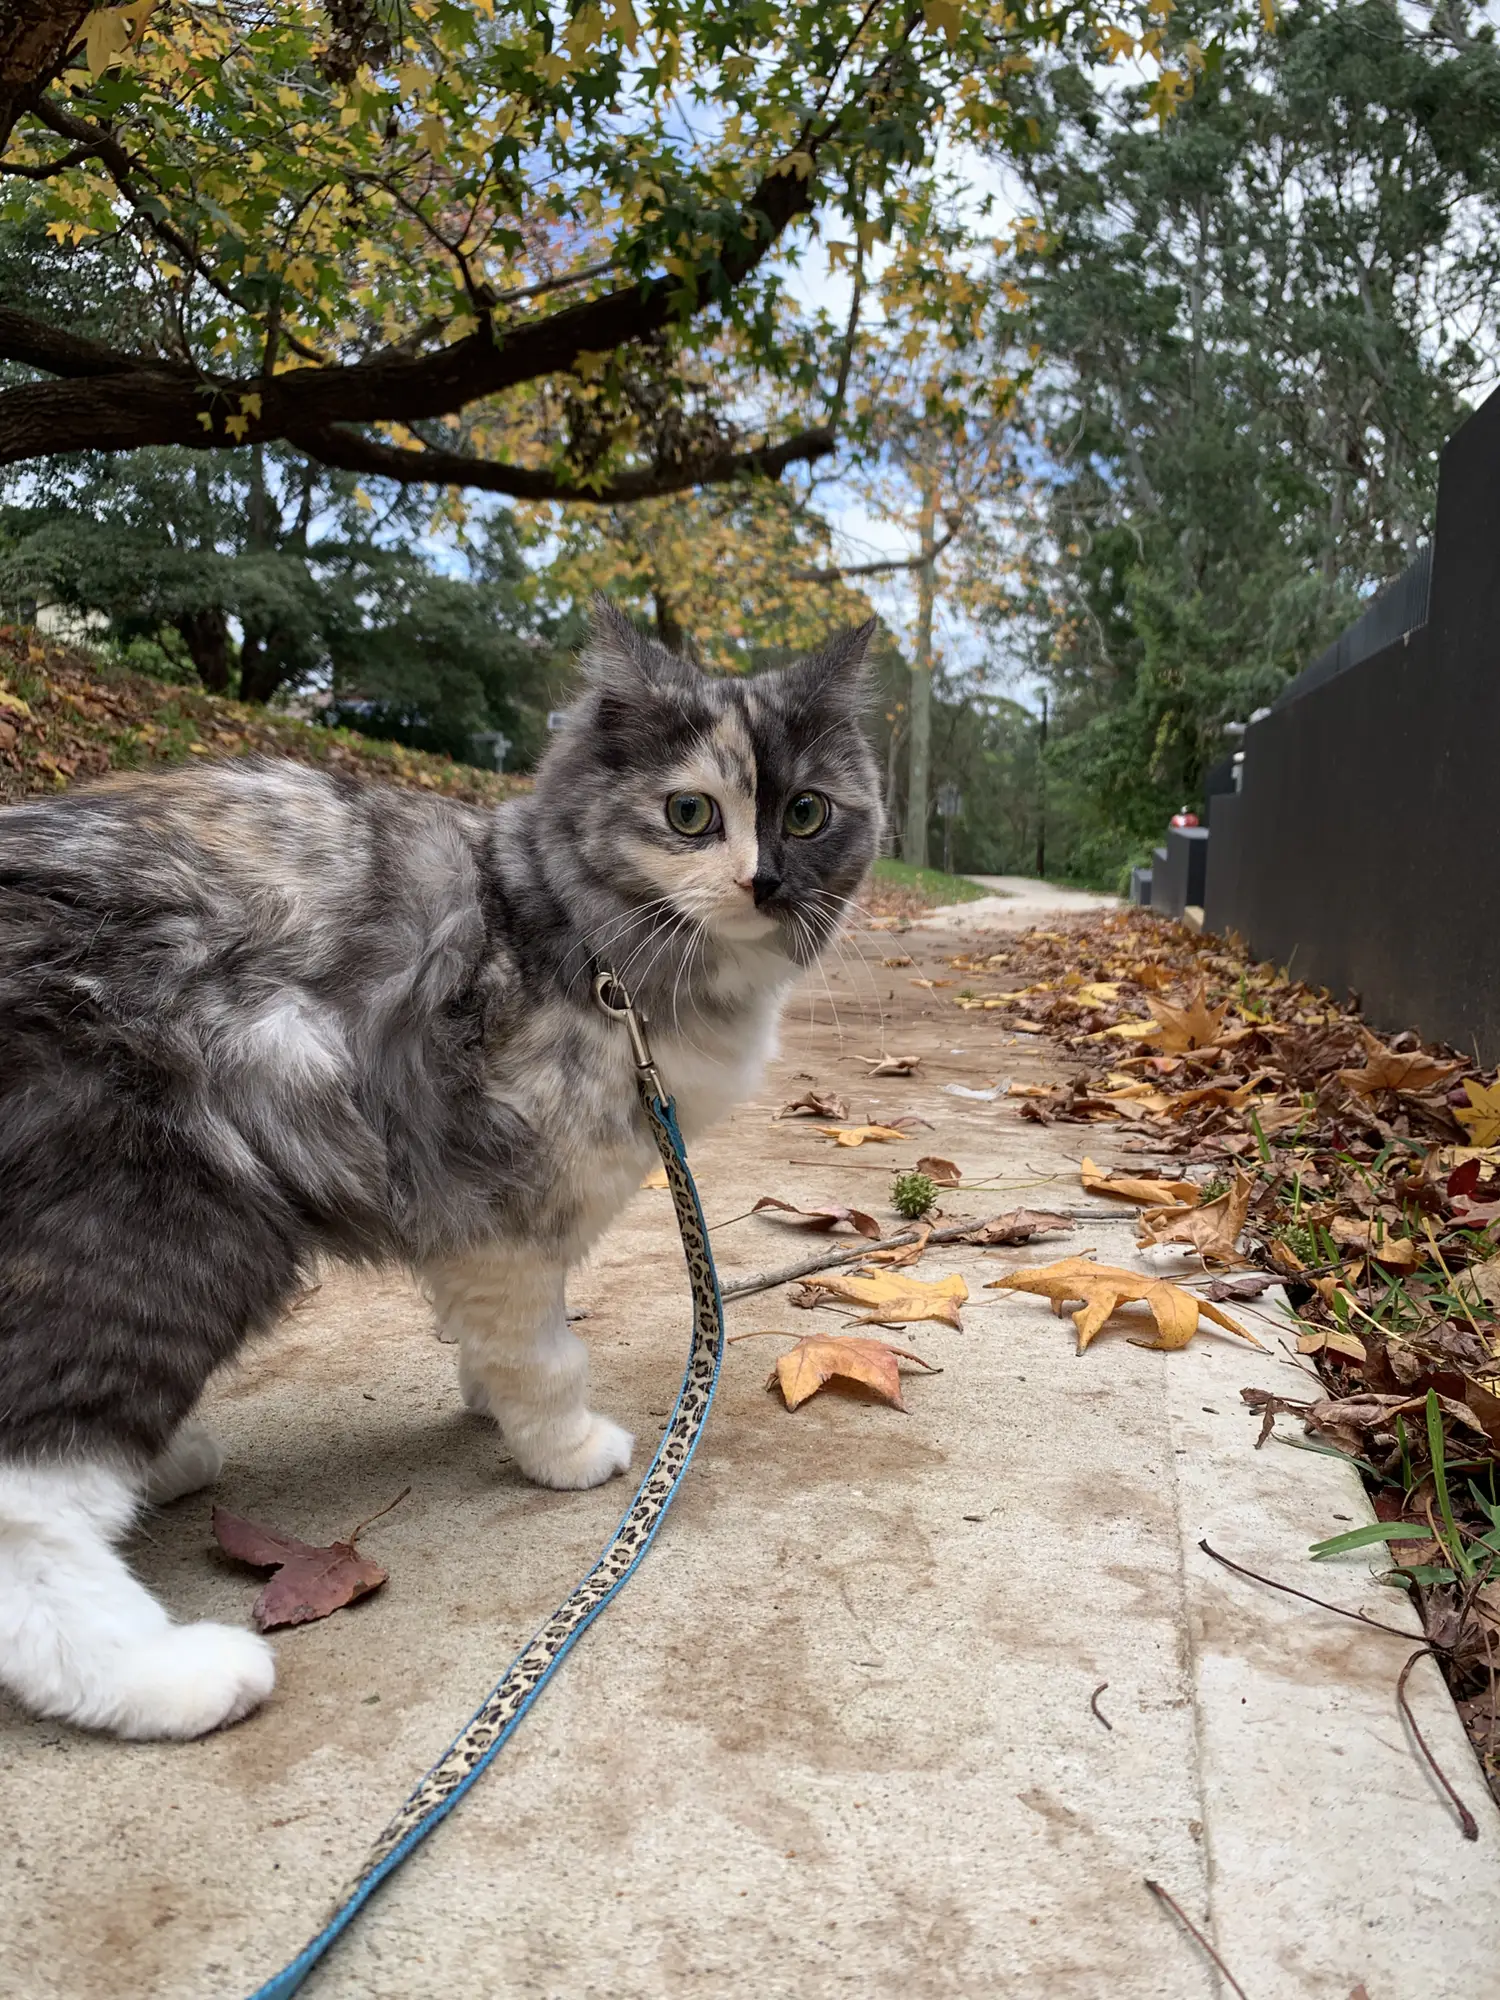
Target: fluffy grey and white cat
(253,1014)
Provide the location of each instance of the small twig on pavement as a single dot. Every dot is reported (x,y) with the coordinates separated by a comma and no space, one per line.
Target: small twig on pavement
(1099,1716)
(1466,1819)
(354,1534)
(765,1281)
(1359,1617)
(1186,1921)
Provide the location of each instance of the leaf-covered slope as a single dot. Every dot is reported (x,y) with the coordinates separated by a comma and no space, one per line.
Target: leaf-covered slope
(64,719)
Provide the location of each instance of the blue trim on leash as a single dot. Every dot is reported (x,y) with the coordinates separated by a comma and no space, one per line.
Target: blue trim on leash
(694,1399)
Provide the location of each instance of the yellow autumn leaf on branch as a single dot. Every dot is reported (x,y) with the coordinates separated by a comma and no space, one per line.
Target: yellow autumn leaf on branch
(943,15)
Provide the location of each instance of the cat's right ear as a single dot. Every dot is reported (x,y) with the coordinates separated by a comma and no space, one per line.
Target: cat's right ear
(619,660)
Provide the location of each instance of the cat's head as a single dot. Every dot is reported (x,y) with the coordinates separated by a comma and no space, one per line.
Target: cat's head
(747,806)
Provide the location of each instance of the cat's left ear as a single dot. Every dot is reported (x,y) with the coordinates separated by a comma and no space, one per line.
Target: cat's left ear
(840,671)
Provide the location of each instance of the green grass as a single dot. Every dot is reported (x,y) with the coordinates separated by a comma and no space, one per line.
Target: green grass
(931,884)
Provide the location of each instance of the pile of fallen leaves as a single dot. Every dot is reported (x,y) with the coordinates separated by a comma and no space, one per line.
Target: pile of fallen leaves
(65,718)
(1362,1171)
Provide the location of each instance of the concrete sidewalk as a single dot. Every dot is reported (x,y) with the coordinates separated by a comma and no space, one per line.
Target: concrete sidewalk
(835,1739)
(1014,902)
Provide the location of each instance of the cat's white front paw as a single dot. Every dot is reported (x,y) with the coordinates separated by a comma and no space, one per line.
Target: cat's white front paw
(193,1460)
(603,1450)
(188,1680)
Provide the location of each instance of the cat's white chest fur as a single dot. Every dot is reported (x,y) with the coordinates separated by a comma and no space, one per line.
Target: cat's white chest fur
(709,1072)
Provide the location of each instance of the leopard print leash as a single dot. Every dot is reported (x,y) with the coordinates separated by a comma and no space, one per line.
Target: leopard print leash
(488,1730)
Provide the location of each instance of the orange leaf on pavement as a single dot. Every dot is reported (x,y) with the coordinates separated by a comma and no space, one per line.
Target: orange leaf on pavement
(856,1135)
(892,1300)
(1104,1290)
(1195,1026)
(1125,1187)
(821,1358)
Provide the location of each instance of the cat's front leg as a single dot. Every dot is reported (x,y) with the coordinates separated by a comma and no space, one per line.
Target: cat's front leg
(518,1361)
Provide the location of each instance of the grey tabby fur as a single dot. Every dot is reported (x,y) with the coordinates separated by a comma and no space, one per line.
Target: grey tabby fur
(254,1013)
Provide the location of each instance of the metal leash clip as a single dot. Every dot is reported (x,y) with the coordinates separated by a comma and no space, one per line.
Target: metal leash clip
(614,1000)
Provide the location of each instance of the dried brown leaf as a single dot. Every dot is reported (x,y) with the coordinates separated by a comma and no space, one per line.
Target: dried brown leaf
(1212,1228)
(944,1172)
(815,1104)
(894,1065)
(1149,1193)
(891,1300)
(826,1215)
(1019,1226)
(1195,1026)
(899,1256)
(858,1135)
(1373,1238)
(821,1358)
(1385,1069)
(310,1581)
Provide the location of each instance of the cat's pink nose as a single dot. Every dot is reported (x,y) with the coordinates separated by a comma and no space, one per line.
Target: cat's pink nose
(747,883)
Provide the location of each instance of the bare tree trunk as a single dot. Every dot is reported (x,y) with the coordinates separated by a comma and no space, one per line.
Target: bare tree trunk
(205,633)
(919,739)
(892,771)
(670,629)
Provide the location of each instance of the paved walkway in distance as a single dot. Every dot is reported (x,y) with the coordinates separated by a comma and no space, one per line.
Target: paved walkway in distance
(1014,902)
(835,1741)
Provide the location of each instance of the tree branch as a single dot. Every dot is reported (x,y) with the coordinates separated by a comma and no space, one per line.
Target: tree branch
(38,345)
(352,452)
(122,171)
(883,568)
(144,401)
(35,37)
(46,170)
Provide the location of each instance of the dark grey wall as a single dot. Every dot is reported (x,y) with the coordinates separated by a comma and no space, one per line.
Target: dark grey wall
(1364,849)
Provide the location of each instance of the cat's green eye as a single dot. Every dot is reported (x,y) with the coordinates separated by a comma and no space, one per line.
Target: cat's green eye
(807,814)
(691,813)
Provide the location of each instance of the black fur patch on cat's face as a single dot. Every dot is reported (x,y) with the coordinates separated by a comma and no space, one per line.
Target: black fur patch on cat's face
(652,728)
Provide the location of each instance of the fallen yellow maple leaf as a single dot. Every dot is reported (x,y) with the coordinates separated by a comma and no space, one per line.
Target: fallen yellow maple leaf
(1386,1070)
(1481,1115)
(1195,1026)
(1149,1193)
(1212,1228)
(856,1135)
(820,1358)
(896,1256)
(1104,1289)
(891,1299)
(1376,1238)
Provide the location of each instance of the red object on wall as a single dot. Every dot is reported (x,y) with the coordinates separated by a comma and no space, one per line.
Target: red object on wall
(1183,819)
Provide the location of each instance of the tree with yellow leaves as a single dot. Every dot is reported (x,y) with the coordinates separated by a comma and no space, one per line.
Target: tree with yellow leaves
(369,229)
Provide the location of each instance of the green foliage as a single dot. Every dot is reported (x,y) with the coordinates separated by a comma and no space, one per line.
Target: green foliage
(385,214)
(264,575)
(1256,325)
(931,884)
